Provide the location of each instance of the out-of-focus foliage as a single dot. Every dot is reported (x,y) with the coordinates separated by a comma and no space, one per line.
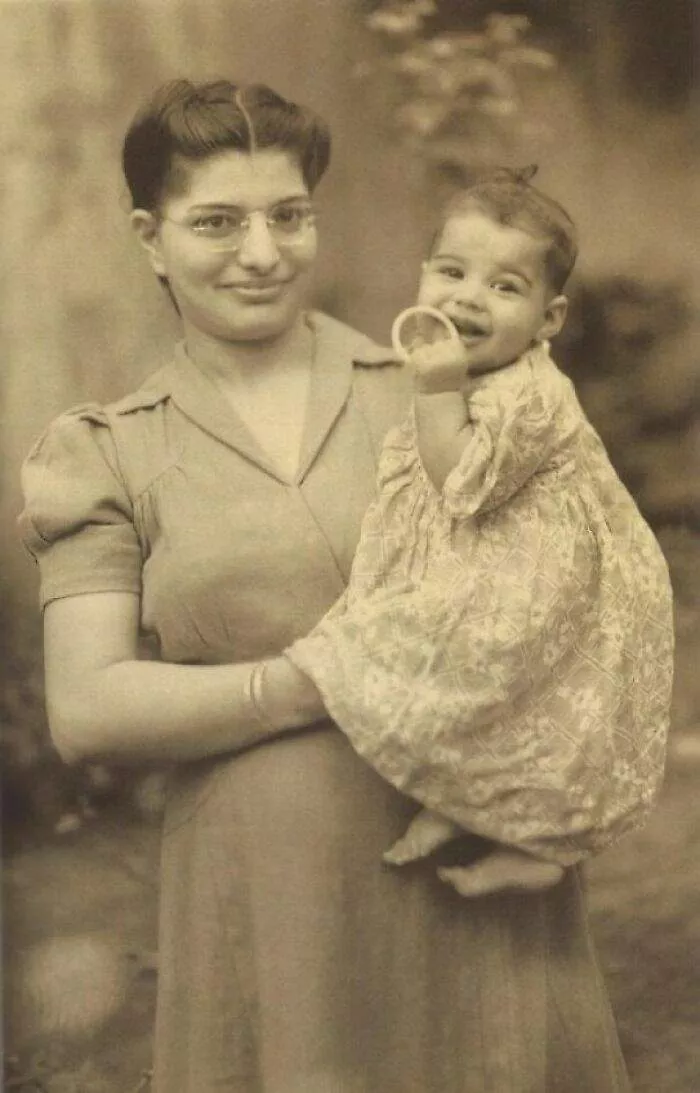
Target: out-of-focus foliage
(455,98)
(628,345)
(23,731)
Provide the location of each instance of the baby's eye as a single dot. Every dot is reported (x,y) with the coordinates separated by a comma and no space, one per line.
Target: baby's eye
(453,273)
(507,288)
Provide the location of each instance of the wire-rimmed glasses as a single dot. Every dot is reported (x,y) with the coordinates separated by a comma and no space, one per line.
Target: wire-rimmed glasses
(225,227)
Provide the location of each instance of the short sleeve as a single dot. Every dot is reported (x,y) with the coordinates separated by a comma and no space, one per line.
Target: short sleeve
(77,517)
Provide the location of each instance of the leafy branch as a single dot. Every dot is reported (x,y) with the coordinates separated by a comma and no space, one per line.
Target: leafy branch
(456,98)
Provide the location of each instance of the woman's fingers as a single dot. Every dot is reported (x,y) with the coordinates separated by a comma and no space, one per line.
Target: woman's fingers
(500,871)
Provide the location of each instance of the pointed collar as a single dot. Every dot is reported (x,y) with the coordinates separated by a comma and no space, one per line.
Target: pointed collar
(338,349)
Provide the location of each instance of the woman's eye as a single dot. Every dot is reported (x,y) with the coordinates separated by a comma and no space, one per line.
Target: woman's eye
(215,224)
(291,218)
(286,217)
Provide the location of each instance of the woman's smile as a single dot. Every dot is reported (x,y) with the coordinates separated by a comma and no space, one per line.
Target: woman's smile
(258,292)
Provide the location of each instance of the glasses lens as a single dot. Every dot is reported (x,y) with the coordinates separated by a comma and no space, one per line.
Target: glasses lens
(227,229)
(223,228)
(289,220)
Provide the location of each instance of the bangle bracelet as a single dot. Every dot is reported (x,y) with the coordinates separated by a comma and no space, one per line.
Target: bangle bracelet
(254,691)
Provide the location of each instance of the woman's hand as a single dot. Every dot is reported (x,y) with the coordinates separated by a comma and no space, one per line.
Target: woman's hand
(105,703)
(286,696)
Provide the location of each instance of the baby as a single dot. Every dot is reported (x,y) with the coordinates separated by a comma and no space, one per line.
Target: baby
(503,652)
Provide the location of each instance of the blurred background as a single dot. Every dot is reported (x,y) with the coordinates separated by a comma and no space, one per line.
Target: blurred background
(599,93)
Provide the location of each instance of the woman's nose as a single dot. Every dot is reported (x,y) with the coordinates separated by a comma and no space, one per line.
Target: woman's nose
(258,249)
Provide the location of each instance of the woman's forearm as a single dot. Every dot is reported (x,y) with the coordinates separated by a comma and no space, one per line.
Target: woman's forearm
(442,424)
(143,710)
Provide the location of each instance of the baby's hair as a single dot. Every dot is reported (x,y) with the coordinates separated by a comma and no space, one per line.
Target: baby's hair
(184,121)
(505,195)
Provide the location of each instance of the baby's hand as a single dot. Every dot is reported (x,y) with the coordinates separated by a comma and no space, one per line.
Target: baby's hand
(501,870)
(426,832)
(440,366)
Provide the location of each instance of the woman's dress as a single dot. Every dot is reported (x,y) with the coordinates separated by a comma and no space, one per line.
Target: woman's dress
(292,960)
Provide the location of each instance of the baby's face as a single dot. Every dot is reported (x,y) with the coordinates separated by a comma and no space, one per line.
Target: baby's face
(490,281)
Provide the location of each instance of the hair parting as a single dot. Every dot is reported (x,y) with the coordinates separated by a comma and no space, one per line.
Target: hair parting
(185,123)
(238,99)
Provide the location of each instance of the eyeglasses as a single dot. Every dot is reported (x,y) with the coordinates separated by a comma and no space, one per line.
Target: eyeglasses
(226,228)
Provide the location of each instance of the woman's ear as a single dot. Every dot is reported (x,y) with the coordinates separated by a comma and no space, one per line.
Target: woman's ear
(147,230)
(554,316)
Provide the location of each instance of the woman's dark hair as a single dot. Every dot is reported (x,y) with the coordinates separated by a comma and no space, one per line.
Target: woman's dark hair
(507,197)
(187,121)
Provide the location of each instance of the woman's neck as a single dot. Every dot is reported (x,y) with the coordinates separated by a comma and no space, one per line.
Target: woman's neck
(242,364)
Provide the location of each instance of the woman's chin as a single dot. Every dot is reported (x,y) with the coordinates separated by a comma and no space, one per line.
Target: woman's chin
(262,323)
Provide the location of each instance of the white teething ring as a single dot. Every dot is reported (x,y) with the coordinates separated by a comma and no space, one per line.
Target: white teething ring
(416,311)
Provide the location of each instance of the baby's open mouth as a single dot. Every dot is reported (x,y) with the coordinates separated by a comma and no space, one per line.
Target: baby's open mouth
(468,329)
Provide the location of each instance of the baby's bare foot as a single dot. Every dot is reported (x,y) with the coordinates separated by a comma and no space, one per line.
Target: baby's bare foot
(426,832)
(504,869)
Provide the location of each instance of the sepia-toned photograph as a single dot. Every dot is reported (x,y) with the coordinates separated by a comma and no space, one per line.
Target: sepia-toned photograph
(350,546)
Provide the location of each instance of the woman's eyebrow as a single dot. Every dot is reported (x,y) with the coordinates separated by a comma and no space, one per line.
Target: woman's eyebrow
(232,207)
(214,207)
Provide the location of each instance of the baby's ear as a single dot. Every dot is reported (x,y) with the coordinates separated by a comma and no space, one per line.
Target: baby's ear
(554,317)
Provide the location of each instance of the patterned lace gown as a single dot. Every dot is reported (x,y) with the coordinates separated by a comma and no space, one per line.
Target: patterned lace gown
(503,653)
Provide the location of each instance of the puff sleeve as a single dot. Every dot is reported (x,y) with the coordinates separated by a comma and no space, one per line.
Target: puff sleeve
(521,421)
(77,517)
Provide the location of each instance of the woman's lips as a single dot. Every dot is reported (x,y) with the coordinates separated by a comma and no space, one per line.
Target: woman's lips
(258,293)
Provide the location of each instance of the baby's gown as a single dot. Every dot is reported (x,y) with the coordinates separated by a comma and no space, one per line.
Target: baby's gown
(503,652)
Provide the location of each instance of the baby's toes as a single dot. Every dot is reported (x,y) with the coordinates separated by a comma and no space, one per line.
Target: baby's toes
(501,872)
(406,849)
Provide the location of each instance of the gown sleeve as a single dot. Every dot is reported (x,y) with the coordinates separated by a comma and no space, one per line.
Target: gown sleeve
(77,516)
(518,424)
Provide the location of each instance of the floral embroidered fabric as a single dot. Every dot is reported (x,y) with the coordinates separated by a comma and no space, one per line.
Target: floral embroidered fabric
(503,652)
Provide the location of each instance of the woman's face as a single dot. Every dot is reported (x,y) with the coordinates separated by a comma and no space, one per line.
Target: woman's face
(250,293)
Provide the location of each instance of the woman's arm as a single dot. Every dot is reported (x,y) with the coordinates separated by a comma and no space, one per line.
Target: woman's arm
(104,703)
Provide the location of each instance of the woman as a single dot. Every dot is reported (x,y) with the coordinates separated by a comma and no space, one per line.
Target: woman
(217,509)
